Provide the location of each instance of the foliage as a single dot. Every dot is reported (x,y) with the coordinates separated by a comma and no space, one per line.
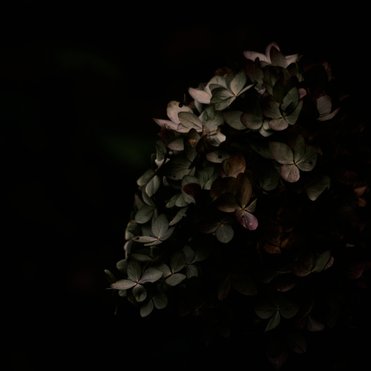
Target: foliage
(255,199)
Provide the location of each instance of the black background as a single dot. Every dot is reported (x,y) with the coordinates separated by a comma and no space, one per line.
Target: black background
(80,84)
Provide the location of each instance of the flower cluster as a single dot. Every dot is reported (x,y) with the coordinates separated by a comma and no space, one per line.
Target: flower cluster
(240,195)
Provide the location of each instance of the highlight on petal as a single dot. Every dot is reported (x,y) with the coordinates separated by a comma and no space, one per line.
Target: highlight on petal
(247,220)
(252,56)
(199,95)
(174,108)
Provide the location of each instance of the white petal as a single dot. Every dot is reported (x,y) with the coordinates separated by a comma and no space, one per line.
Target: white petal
(253,55)
(173,109)
(291,59)
(200,96)
(167,124)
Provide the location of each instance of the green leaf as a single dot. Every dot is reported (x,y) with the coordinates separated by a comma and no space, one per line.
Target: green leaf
(308,160)
(288,309)
(152,186)
(175,279)
(252,120)
(322,261)
(144,179)
(265,310)
(238,82)
(179,216)
(224,233)
(233,119)
(165,269)
(222,98)
(315,189)
(160,301)
(178,168)
(150,275)
(293,117)
(273,322)
(272,109)
(131,229)
(140,293)
(121,265)
(141,257)
(176,145)
(144,214)
(290,101)
(277,58)
(134,270)
(177,261)
(191,271)
(278,124)
(123,284)
(111,278)
(324,105)
(145,239)
(160,226)
(190,121)
(281,152)
(146,309)
(206,177)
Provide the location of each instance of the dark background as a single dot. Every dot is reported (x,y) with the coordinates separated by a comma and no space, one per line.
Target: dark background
(80,84)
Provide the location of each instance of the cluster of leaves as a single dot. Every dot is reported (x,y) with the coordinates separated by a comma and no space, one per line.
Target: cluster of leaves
(245,198)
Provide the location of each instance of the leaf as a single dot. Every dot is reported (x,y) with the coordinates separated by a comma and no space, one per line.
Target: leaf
(233,119)
(324,105)
(293,117)
(160,226)
(265,310)
(273,322)
(278,124)
(121,265)
(145,239)
(141,257)
(281,152)
(206,176)
(276,57)
(322,261)
(146,309)
(252,120)
(111,278)
(290,101)
(222,98)
(176,144)
(315,189)
(160,301)
(271,109)
(290,173)
(190,121)
(177,261)
(238,82)
(150,275)
(144,214)
(142,180)
(123,284)
(175,279)
(288,309)
(245,191)
(134,270)
(191,271)
(140,293)
(308,161)
(131,229)
(224,233)
(178,168)
(165,269)
(179,216)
